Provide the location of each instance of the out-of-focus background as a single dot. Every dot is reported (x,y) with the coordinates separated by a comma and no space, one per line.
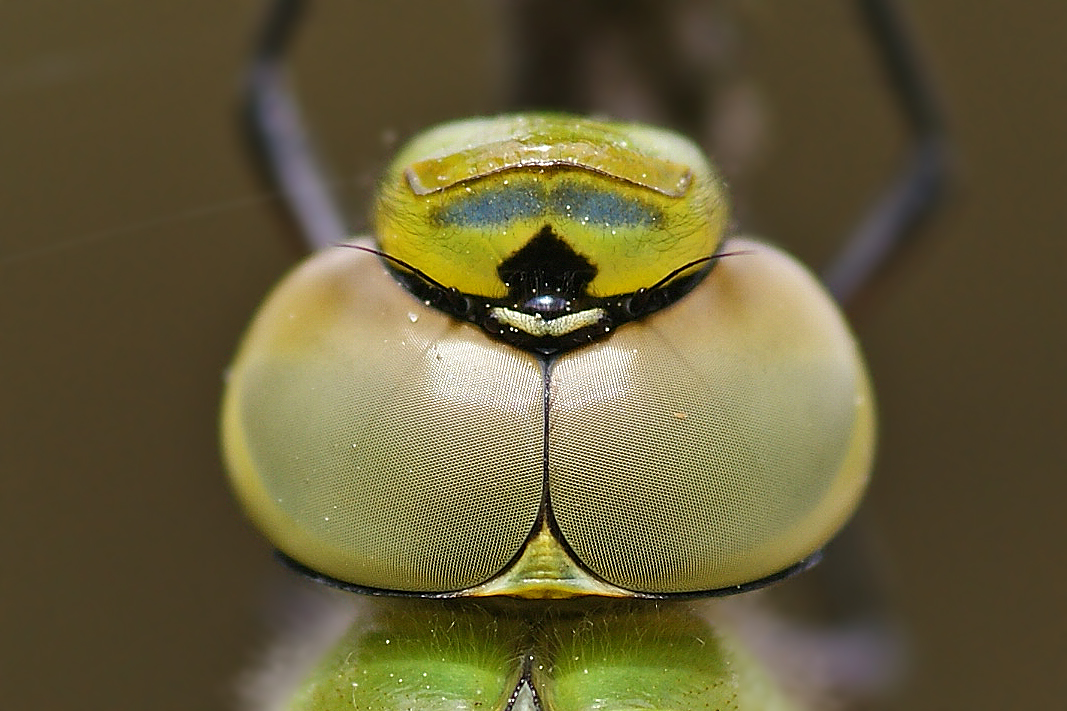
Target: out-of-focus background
(135,241)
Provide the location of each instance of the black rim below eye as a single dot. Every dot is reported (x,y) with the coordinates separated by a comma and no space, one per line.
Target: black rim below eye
(798,567)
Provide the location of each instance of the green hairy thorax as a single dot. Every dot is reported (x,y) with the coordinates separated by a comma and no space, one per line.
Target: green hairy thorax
(499,654)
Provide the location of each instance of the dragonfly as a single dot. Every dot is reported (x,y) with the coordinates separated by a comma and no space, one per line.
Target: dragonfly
(547,427)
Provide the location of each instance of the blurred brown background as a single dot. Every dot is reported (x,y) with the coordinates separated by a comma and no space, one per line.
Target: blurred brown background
(135,242)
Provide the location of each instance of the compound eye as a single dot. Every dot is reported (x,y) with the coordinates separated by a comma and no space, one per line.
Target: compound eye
(377,441)
(716,442)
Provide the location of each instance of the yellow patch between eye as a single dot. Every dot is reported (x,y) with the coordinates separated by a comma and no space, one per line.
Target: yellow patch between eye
(545,571)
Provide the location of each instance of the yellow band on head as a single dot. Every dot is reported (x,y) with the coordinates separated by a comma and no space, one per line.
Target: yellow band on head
(663,176)
(633,202)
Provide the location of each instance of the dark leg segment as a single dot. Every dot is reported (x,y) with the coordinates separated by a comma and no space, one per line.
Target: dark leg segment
(887,226)
(278,136)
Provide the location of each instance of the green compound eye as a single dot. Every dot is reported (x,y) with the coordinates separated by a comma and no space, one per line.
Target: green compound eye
(711,442)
